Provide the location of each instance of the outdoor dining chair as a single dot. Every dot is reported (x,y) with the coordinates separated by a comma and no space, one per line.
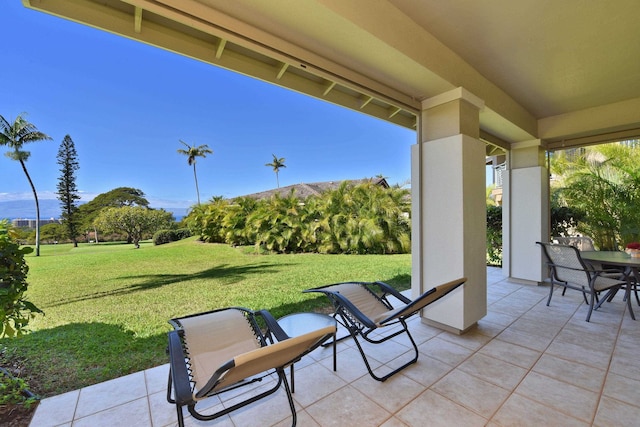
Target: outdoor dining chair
(569,270)
(365,307)
(218,351)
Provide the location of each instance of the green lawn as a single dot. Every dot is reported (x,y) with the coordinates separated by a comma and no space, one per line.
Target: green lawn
(107,305)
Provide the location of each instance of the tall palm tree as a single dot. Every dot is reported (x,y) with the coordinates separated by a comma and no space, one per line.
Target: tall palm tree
(192,152)
(277,164)
(15,135)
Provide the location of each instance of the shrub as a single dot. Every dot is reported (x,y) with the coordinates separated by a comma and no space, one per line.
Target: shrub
(167,236)
(14,391)
(182,233)
(15,310)
(494,235)
(164,236)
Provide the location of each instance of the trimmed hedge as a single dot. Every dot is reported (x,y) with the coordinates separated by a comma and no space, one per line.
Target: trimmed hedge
(167,236)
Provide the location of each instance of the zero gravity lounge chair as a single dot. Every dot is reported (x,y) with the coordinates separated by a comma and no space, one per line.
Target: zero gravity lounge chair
(222,350)
(364,307)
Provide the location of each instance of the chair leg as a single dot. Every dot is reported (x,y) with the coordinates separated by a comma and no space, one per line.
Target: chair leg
(354,332)
(551,293)
(590,305)
(294,415)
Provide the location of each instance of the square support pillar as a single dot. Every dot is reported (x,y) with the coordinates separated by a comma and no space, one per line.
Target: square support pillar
(449,209)
(525,212)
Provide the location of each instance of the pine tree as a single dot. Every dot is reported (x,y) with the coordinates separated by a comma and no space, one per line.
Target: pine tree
(67,189)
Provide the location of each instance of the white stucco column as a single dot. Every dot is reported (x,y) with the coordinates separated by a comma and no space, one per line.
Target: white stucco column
(449,209)
(525,212)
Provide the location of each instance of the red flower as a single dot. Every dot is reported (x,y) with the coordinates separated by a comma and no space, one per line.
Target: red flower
(633,245)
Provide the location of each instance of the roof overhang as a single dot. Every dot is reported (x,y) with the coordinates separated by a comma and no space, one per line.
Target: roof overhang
(374,58)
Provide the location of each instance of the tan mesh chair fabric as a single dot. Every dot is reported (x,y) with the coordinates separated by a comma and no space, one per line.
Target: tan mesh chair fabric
(362,298)
(215,338)
(280,354)
(420,303)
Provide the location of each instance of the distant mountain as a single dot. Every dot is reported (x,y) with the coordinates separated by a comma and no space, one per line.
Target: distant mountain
(50,208)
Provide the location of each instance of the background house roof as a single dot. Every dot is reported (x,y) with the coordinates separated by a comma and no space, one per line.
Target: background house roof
(303,190)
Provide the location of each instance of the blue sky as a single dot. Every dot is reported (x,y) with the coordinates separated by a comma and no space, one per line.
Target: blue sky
(126,105)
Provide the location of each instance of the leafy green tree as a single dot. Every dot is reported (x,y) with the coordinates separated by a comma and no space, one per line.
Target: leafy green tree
(116,198)
(53,232)
(67,188)
(15,135)
(15,310)
(135,222)
(192,152)
(277,164)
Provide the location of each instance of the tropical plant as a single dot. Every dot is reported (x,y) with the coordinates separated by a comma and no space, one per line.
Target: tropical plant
(15,310)
(15,135)
(277,164)
(494,235)
(67,188)
(135,222)
(192,152)
(360,219)
(602,186)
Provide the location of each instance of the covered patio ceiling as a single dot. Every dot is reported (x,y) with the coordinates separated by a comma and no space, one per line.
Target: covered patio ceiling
(566,72)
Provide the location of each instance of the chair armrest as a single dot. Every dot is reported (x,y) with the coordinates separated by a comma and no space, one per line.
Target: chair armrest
(178,370)
(387,289)
(341,303)
(273,328)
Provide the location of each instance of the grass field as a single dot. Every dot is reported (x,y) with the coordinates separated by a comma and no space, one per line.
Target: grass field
(107,305)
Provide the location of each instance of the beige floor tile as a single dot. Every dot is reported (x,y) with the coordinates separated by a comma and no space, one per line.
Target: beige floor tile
(434,410)
(315,382)
(386,351)
(112,393)
(585,355)
(56,410)
(498,318)
(622,388)
(347,407)
(268,411)
(489,329)
(131,414)
(569,399)
(162,412)
(304,420)
(472,340)
(533,342)
(613,413)
(445,351)
(156,378)
(571,372)
(392,394)
(426,370)
(512,353)
(393,422)
(350,365)
(493,370)
(473,393)
(625,366)
(518,411)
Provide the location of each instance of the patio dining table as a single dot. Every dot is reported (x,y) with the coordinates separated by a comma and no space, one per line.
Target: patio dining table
(630,265)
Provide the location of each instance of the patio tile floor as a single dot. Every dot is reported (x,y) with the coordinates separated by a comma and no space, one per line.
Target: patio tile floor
(525,364)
